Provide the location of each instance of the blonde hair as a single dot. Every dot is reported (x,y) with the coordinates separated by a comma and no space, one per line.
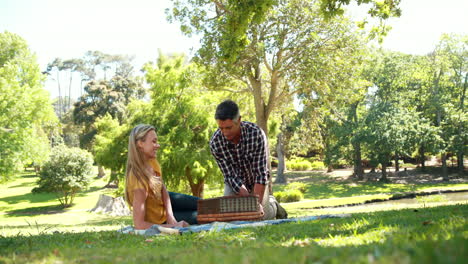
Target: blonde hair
(136,163)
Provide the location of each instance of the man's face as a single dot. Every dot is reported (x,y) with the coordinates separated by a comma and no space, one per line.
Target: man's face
(230,129)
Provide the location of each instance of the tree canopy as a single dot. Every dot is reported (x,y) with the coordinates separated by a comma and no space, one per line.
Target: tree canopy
(26,114)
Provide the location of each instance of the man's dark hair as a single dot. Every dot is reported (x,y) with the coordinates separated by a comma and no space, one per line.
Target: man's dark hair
(228,109)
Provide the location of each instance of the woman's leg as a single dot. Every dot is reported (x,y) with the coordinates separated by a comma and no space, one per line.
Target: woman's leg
(183,202)
(184,207)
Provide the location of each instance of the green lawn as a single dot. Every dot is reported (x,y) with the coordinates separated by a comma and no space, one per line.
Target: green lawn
(34,229)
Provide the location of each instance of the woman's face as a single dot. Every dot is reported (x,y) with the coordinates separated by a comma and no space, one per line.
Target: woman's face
(149,145)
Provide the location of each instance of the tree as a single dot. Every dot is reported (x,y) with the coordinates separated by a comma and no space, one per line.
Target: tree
(66,173)
(444,75)
(110,146)
(273,55)
(26,113)
(391,129)
(101,98)
(455,48)
(182,113)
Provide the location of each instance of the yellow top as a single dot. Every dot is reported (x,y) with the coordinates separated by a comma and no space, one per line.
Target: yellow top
(154,205)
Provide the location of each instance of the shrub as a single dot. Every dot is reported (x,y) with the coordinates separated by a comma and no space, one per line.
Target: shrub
(302,164)
(408,165)
(298,165)
(288,196)
(67,171)
(279,196)
(293,196)
(340,164)
(302,187)
(318,165)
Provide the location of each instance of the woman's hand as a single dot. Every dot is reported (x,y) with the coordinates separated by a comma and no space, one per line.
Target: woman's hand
(182,224)
(171,220)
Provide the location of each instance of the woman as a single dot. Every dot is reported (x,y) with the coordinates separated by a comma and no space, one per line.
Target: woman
(145,191)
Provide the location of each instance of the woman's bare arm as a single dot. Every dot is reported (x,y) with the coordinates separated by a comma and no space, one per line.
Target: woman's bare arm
(139,209)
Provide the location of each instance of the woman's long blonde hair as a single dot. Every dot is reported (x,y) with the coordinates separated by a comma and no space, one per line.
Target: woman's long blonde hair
(136,164)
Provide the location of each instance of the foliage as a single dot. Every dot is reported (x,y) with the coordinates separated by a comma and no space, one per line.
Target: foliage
(110,146)
(101,98)
(278,56)
(302,187)
(26,114)
(181,110)
(66,173)
(391,130)
(298,164)
(288,196)
(304,164)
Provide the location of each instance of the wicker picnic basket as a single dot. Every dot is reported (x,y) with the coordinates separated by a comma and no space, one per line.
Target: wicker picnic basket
(229,208)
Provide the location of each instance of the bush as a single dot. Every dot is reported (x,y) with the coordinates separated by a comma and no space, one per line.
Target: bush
(302,187)
(408,165)
(288,196)
(279,196)
(67,171)
(318,165)
(298,165)
(302,164)
(340,164)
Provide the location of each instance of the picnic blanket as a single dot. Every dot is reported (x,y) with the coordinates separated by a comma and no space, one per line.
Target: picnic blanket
(217,226)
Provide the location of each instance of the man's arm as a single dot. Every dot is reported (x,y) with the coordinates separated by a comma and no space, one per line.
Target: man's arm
(259,189)
(260,165)
(226,167)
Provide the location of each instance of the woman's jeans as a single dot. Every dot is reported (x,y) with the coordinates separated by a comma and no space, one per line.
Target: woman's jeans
(184,207)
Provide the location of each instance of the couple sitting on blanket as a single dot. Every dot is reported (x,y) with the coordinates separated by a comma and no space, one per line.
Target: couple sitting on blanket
(240,149)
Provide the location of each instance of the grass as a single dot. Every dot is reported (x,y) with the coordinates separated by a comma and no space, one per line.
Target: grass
(430,235)
(34,229)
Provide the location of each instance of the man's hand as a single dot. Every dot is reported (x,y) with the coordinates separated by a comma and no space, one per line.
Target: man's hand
(243,191)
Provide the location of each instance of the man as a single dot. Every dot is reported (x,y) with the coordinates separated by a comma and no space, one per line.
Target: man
(240,149)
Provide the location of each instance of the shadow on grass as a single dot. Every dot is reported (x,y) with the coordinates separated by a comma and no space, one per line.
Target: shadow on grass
(322,186)
(24,184)
(29,197)
(42,197)
(40,210)
(29,176)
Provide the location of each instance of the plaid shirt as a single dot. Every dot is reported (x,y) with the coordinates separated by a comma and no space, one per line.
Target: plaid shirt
(243,163)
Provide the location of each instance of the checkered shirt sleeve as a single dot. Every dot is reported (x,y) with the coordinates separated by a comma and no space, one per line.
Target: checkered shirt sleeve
(248,168)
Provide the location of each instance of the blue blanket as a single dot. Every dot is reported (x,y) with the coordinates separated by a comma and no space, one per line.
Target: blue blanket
(217,226)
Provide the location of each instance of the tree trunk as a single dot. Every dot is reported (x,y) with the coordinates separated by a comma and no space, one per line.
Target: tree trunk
(329,168)
(197,188)
(69,90)
(280,177)
(60,96)
(422,158)
(384,172)
(397,165)
(460,153)
(444,166)
(101,172)
(113,178)
(358,171)
(460,164)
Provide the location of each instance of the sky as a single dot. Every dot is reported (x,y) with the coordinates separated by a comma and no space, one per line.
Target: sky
(68,28)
